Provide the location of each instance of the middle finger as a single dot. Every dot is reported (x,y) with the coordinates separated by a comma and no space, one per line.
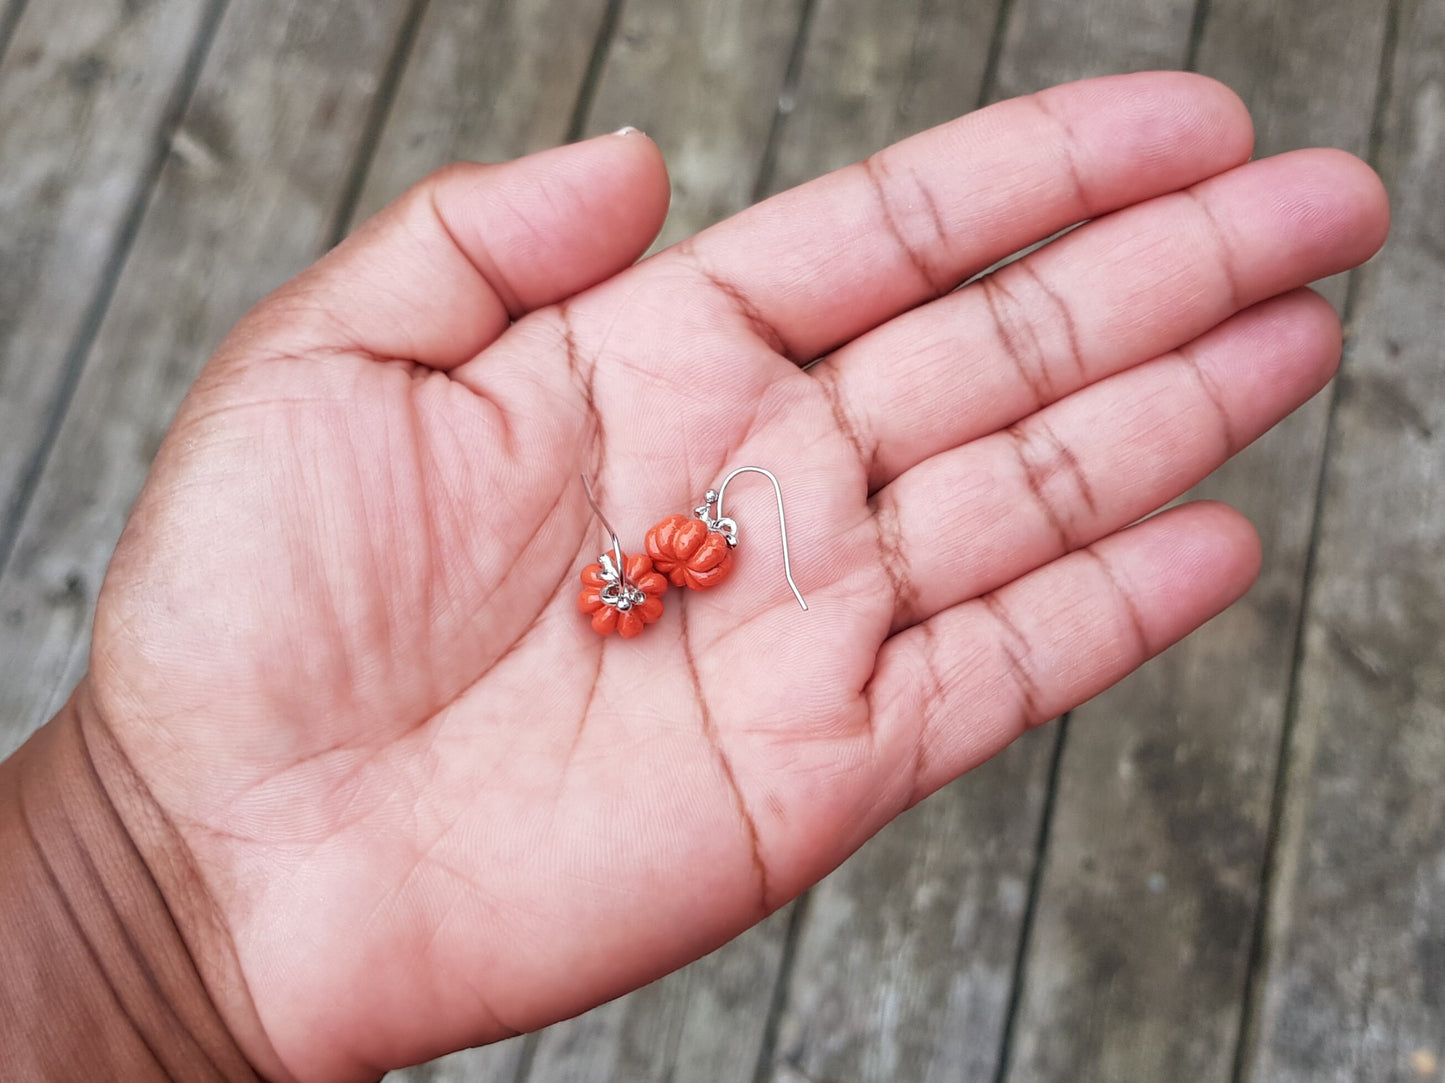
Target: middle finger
(1112,294)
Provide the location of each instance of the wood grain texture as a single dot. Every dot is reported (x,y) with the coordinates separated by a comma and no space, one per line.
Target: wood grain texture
(1138,960)
(1354,982)
(242,204)
(500,1063)
(10,12)
(905,962)
(704,1022)
(873,73)
(485,82)
(956,1023)
(87,91)
(702,78)
(1053,41)
(1149,897)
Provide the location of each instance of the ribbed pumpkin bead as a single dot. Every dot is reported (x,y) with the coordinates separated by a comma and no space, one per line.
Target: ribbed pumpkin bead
(688,553)
(604,621)
(608,616)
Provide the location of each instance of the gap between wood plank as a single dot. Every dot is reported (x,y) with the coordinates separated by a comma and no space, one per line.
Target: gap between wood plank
(1246,1033)
(995,52)
(1196,34)
(787,101)
(587,92)
(1026,927)
(375,122)
(8,22)
(75,356)
(1017,979)
(529,1054)
(782,983)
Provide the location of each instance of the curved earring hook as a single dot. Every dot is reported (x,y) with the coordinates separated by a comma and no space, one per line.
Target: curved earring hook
(782,520)
(616,541)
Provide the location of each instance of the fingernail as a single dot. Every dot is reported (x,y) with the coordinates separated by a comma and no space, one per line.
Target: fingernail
(628,129)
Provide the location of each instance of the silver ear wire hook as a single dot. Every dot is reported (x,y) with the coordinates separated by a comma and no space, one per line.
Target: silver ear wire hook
(729,528)
(620,570)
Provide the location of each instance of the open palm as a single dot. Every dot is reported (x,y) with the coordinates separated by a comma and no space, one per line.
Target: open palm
(424,804)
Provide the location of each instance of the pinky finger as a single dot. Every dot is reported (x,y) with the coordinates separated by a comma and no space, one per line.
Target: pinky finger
(952,692)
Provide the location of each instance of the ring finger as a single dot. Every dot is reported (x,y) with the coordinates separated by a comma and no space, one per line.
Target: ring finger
(971,519)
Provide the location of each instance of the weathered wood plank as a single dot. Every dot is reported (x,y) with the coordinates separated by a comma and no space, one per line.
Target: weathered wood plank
(242,204)
(702,78)
(1141,867)
(87,93)
(889,983)
(905,956)
(485,82)
(905,965)
(10,13)
(1141,944)
(682,1024)
(873,73)
(905,961)
(704,1022)
(499,1063)
(1052,41)
(1354,982)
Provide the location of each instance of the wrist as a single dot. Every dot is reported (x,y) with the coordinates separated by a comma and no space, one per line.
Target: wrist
(115,964)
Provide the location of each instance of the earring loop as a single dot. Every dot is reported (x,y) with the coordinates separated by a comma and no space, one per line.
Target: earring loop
(621,593)
(697,552)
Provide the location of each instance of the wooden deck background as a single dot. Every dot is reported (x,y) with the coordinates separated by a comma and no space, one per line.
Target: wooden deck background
(1231,867)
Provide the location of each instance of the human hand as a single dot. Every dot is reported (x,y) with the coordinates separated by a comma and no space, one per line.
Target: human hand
(414,802)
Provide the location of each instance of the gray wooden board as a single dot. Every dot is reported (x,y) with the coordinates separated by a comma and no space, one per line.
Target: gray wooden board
(1140,950)
(905,956)
(1354,982)
(9,15)
(874,72)
(702,78)
(905,960)
(501,1063)
(484,82)
(703,1023)
(904,967)
(1052,41)
(242,203)
(706,1021)
(85,92)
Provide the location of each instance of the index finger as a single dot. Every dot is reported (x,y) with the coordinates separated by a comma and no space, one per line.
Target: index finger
(820,264)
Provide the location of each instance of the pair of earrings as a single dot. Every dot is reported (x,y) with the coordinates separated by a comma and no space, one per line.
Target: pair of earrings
(622,593)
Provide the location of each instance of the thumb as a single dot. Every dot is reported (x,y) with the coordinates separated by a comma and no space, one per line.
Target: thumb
(437,275)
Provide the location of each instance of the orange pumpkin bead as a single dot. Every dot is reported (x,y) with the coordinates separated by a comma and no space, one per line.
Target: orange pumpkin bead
(608,617)
(687,552)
